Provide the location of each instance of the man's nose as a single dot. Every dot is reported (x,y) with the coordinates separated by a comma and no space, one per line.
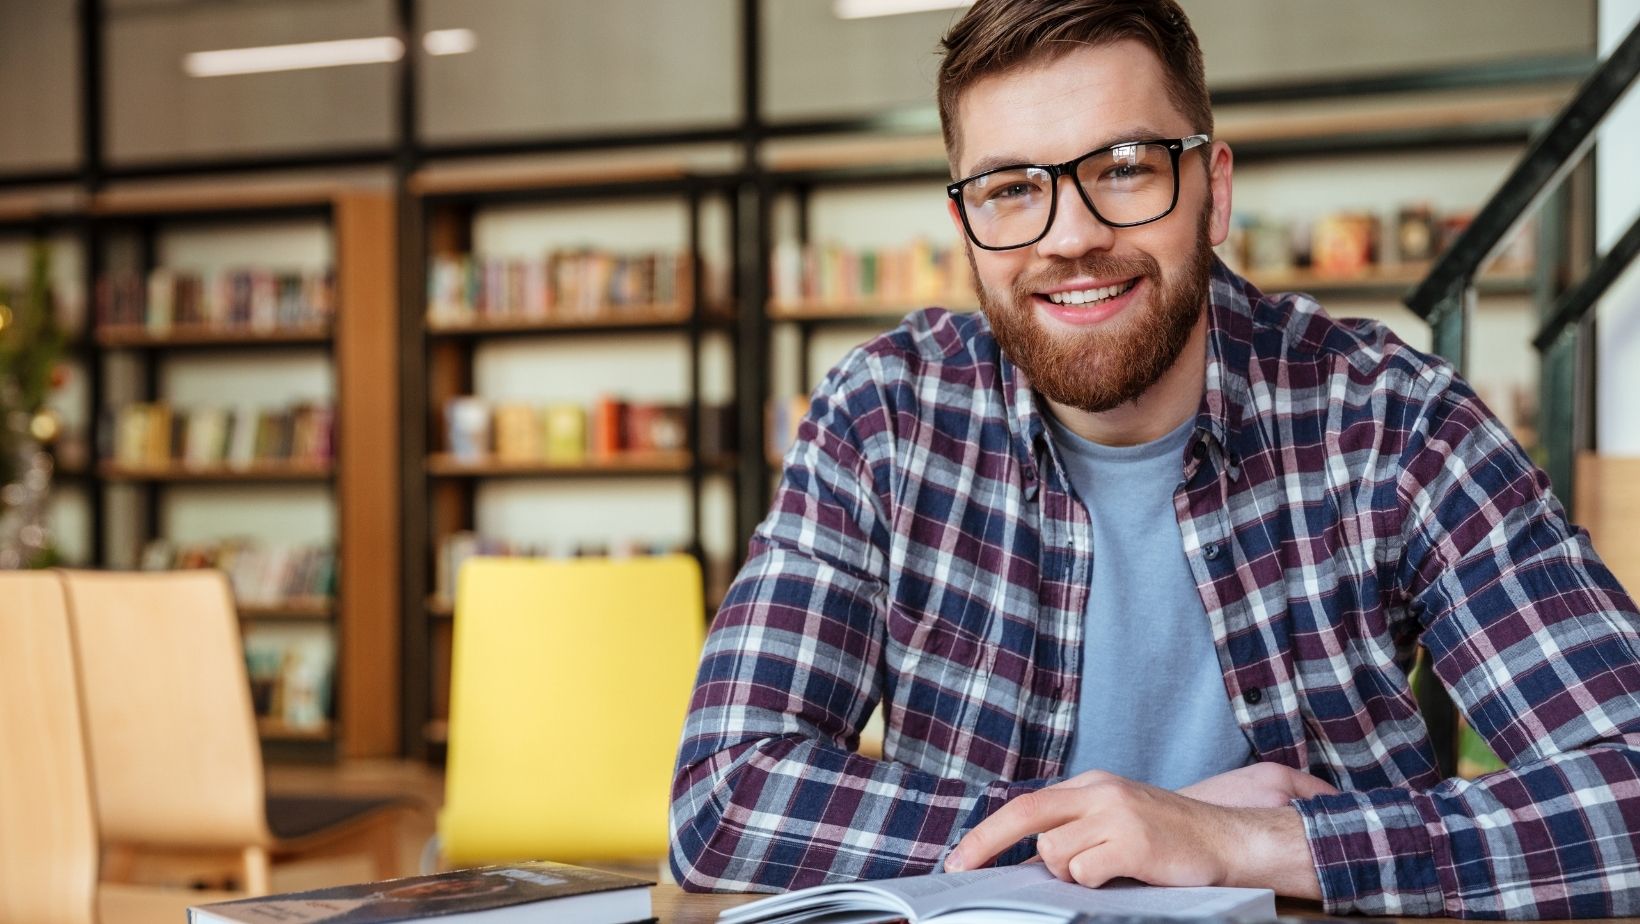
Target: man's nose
(1075,230)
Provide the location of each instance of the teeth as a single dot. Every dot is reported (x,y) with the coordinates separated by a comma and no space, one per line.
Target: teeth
(1088,296)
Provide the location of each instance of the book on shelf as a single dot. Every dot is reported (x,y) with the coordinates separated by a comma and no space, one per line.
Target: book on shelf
(1353,244)
(154,435)
(917,273)
(292,677)
(265,575)
(528,891)
(256,299)
(1026,894)
(587,284)
(566,433)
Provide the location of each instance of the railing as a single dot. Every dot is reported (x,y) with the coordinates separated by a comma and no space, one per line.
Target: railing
(1446,297)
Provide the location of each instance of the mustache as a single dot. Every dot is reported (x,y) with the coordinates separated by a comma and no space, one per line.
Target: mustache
(1097,267)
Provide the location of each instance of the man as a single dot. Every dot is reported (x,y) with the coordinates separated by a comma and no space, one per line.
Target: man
(1137,562)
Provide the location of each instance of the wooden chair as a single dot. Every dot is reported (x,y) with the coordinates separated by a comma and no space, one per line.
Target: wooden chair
(177,764)
(570,680)
(49,853)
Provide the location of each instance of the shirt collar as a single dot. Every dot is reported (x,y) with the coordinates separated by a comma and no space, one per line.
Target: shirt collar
(1230,303)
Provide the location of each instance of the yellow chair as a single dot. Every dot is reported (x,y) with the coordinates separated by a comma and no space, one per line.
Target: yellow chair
(49,860)
(569,683)
(177,763)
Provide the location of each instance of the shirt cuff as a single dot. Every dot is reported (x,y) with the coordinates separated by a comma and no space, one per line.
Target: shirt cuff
(1373,853)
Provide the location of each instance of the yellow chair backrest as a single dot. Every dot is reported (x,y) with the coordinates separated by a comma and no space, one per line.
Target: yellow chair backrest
(569,683)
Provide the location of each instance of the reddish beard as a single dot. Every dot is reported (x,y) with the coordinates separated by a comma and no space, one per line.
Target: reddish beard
(1101,369)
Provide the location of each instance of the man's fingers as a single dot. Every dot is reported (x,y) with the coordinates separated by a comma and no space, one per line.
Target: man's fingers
(1061,845)
(1031,813)
(1095,866)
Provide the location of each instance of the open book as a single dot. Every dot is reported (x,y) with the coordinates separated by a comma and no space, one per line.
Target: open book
(1027,894)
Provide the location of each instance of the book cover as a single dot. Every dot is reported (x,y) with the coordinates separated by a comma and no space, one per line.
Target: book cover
(516,892)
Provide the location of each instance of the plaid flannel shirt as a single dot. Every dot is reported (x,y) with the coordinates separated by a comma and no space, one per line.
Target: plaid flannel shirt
(1344,498)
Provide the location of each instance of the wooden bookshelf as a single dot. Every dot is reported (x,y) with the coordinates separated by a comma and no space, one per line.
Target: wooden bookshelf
(257,471)
(291,610)
(128,337)
(279,730)
(666,317)
(445,465)
(1383,281)
(861,309)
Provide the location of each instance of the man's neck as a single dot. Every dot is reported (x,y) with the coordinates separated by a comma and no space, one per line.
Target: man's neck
(1164,406)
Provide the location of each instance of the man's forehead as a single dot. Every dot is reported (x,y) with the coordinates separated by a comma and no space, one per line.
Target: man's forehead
(1053,109)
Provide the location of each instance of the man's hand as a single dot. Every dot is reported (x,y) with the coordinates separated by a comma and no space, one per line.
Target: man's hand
(1096,827)
(1262,785)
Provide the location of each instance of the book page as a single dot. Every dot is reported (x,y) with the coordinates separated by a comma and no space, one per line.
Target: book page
(1123,897)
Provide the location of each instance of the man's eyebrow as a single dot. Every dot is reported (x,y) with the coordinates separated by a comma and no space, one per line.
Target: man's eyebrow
(995,161)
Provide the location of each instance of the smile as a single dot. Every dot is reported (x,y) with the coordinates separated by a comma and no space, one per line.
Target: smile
(1090,296)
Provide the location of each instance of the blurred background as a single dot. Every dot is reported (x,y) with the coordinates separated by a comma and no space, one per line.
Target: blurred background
(335,295)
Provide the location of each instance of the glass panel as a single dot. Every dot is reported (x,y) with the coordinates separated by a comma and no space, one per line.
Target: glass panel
(816,65)
(580,66)
(39,96)
(156,111)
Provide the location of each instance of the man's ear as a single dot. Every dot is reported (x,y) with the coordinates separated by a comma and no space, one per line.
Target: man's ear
(956,217)
(1220,166)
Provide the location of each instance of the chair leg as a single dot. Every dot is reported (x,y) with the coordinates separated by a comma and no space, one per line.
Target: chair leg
(256,871)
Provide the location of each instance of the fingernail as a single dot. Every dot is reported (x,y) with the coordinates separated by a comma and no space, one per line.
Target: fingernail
(955,863)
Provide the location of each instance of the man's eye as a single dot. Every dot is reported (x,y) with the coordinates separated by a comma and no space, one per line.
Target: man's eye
(1127,172)
(1012,191)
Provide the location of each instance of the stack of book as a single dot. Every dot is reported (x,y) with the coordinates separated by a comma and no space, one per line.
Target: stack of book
(257,299)
(569,433)
(1355,244)
(263,575)
(585,284)
(155,435)
(920,273)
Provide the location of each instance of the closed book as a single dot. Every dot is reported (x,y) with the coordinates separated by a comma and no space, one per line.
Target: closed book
(535,891)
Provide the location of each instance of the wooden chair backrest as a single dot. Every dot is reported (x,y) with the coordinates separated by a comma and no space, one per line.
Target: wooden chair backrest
(48,830)
(1608,505)
(175,756)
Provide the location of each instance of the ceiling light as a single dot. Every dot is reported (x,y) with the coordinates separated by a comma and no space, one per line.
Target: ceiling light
(861,9)
(449,41)
(303,56)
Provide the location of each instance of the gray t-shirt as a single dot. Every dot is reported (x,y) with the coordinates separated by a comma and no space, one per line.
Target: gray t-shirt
(1153,706)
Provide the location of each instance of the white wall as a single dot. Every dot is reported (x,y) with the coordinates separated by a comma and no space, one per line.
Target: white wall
(1618,205)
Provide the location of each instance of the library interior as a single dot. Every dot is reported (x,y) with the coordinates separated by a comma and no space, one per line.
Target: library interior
(390,390)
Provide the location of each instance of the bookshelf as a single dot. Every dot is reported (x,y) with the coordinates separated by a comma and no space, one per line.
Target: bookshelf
(558,307)
(249,321)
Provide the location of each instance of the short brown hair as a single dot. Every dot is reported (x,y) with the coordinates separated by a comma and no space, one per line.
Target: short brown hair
(998,35)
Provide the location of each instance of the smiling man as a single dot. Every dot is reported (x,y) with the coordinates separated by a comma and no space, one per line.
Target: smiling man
(1136,561)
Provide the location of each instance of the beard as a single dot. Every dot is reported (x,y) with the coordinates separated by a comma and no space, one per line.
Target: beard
(1099,370)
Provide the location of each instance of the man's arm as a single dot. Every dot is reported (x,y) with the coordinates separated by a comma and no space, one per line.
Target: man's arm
(1541,650)
(768,792)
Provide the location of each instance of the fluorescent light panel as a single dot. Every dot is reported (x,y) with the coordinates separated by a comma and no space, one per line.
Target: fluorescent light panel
(862,9)
(307,55)
(449,41)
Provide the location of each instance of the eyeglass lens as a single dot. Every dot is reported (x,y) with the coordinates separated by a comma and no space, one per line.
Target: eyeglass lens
(1129,184)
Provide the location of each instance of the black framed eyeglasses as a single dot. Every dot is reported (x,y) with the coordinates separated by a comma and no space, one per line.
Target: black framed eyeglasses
(1124,184)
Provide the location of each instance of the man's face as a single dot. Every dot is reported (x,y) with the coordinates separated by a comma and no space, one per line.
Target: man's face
(1141,289)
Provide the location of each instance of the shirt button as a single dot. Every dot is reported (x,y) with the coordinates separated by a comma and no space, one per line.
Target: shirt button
(1253,696)
(1199,450)
(1212,550)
